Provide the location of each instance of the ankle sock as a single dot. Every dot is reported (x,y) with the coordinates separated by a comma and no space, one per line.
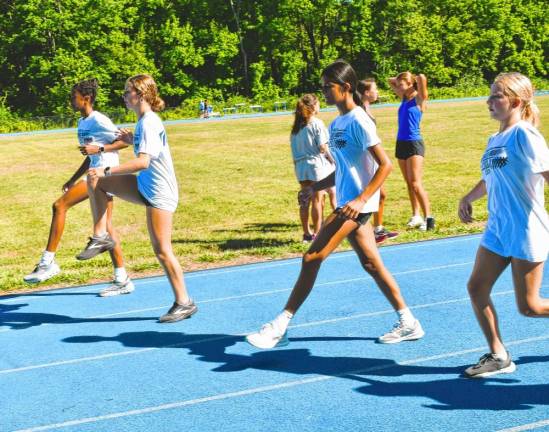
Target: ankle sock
(47,257)
(405,315)
(120,274)
(501,355)
(282,321)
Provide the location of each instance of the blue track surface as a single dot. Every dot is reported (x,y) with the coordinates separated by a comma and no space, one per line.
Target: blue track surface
(75,362)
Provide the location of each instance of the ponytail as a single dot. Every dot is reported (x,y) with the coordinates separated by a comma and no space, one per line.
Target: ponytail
(341,72)
(304,110)
(145,86)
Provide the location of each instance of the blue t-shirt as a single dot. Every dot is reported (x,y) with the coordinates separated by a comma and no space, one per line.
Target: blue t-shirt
(409,117)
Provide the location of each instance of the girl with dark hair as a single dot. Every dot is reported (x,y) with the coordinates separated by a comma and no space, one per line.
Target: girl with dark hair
(148,180)
(312,161)
(368,94)
(361,167)
(515,167)
(410,149)
(97,136)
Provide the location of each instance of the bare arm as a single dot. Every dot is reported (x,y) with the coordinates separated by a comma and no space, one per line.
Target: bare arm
(465,209)
(422,94)
(326,152)
(77,174)
(354,207)
(140,163)
(393,84)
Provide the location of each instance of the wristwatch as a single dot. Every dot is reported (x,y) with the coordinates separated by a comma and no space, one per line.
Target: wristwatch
(101,149)
(107,171)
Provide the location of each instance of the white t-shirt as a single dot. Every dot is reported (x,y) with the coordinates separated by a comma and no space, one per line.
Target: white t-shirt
(350,137)
(157,183)
(306,143)
(97,129)
(518,224)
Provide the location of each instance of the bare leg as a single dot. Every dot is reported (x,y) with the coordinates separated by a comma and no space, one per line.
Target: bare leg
(363,242)
(414,170)
(487,269)
(412,196)
(527,277)
(75,195)
(304,211)
(159,223)
(116,253)
(330,236)
(332,195)
(317,210)
(378,216)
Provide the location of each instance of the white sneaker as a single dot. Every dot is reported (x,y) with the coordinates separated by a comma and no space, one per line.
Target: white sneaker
(42,272)
(268,337)
(403,332)
(117,288)
(423,226)
(415,222)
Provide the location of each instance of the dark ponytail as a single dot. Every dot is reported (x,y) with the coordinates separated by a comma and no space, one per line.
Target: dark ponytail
(341,72)
(87,88)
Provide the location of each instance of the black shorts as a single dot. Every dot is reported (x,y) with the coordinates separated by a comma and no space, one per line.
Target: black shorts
(361,219)
(145,200)
(407,149)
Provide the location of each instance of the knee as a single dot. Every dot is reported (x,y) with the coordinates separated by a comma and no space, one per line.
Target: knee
(474,290)
(59,206)
(416,186)
(163,253)
(371,268)
(382,195)
(311,259)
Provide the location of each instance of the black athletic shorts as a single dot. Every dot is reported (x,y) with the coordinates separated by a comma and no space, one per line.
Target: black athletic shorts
(145,200)
(407,149)
(361,219)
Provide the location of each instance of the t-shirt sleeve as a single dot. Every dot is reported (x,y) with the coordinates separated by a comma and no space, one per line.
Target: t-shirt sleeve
(151,141)
(364,133)
(323,135)
(533,149)
(106,131)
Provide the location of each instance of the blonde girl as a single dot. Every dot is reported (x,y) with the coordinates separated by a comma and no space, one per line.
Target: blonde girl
(515,166)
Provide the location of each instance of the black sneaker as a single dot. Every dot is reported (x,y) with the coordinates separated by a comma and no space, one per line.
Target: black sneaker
(179,312)
(95,246)
(430,222)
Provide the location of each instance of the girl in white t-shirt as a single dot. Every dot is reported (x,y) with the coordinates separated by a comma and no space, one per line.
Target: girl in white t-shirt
(312,161)
(361,167)
(97,136)
(148,180)
(514,168)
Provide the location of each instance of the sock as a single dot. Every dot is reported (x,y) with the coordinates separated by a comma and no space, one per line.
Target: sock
(501,355)
(120,274)
(101,236)
(47,257)
(405,315)
(282,321)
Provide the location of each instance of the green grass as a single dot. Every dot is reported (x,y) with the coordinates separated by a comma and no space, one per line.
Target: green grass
(238,193)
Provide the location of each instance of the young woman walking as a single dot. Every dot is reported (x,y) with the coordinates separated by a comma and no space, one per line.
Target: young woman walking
(361,167)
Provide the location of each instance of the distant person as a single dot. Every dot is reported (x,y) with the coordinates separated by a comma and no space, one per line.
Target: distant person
(515,167)
(361,167)
(201,108)
(206,108)
(312,160)
(97,136)
(367,89)
(147,180)
(410,148)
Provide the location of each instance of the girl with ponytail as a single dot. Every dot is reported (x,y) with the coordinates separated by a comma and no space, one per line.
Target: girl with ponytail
(361,167)
(312,161)
(148,180)
(515,167)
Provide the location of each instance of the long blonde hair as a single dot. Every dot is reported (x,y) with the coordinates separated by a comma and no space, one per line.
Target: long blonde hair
(517,86)
(146,87)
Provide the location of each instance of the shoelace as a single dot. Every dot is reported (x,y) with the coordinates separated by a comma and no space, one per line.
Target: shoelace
(485,358)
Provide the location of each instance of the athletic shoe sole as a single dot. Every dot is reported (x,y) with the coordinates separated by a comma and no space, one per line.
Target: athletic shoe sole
(506,370)
(410,337)
(281,343)
(38,280)
(180,317)
(111,293)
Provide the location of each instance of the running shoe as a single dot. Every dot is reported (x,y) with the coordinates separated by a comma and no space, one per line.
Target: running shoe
(403,332)
(430,223)
(42,272)
(308,238)
(380,236)
(489,365)
(270,336)
(95,246)
(179,312)
(117,288)
(415,222)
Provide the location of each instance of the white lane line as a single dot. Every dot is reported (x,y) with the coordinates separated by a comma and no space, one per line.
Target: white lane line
(182,344)
(526,427)
(264,389)
(250,267)
(256,294)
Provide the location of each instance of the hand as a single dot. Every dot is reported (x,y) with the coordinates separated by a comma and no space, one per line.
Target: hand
(304,196)
(67,186)
(96,173)
(352,209)
(89,149)
(125,135)
(465,210)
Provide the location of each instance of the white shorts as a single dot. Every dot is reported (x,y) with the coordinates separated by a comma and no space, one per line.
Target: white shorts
(526,251)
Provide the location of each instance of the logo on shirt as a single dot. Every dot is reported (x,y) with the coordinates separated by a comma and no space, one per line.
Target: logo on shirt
(495,158)
(337,138)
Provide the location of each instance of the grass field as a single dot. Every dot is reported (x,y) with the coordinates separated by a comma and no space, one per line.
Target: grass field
(237,188)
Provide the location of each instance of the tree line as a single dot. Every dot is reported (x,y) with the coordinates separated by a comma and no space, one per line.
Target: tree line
(260,49)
